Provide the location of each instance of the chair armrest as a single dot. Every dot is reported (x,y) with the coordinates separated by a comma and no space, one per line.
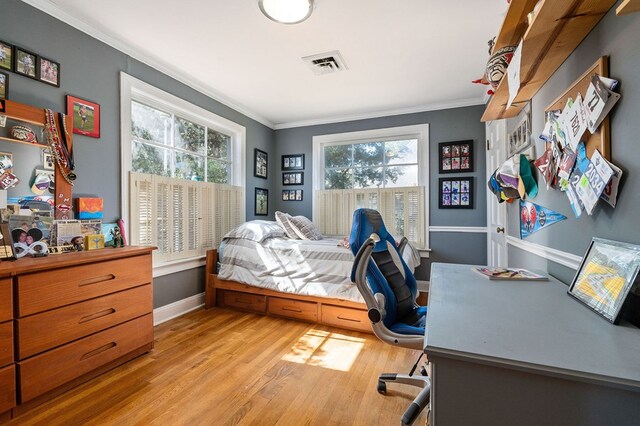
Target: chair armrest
(403,243)
(376,311)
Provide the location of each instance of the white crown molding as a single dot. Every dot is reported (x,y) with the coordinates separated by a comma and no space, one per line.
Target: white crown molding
(561,257)
(469,229)
(400,111)
(50,8)
(176,309)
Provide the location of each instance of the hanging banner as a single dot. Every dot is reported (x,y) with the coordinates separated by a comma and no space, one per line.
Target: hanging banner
(534,217)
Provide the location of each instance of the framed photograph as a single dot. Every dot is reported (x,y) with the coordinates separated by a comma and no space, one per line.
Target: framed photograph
(6,161)
(455,157)
(520,136)
(285,195)
(605,277)
(6,56)
(49,71)
(6,245)
(86,116)
(455,193)
(47,161)
(4,85)
(298,194)
(295,178)
(261,202)
(260,163)
(25,62)
(293,162)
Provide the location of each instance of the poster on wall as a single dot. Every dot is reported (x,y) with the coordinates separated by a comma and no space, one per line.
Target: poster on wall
(534,217)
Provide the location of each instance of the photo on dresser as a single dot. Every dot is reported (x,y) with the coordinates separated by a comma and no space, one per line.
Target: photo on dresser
(6,246)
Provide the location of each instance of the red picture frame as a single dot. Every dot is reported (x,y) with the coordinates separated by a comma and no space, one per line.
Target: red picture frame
(86,116)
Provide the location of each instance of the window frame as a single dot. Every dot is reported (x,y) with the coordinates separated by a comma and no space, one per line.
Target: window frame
(419,132)
(132,89)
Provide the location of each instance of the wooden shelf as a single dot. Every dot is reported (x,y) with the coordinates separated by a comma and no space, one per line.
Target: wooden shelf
(627,7)
(557,29)
(39,145)
(514,24)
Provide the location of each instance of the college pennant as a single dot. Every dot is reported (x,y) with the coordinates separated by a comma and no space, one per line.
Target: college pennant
(534,217)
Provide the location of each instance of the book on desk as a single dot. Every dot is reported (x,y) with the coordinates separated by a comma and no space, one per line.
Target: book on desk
(516,274)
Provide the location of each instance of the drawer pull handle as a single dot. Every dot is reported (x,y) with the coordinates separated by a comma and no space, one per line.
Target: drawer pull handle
(96,280)
(98,351)
(285,308)
(97,315)
(348,319)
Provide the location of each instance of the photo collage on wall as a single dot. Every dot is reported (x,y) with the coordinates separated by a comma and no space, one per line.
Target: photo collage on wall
(455,192)
(291,166)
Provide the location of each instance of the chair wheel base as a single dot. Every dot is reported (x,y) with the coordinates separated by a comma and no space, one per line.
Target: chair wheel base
(382,387)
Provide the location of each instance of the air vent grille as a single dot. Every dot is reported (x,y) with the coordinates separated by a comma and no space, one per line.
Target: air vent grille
(326,63)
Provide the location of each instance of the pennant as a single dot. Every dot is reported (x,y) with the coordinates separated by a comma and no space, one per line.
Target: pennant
(534,217)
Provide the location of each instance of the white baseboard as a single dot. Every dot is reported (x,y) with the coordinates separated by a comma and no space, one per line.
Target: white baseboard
(175,309)
(470,229)
(423,285)
(563,258)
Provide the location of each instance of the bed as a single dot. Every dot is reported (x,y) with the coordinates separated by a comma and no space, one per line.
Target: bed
(266,272)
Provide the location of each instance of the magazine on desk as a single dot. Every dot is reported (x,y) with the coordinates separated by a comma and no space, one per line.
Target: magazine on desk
(517,274)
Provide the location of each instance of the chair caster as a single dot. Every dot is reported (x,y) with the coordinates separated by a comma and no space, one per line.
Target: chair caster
(382,387)
(423,371)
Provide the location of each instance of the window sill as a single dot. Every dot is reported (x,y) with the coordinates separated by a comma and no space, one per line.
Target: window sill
(178,266)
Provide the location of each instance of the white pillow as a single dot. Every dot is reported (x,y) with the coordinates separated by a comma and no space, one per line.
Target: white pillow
(283,220)
(304,228)
(256,230)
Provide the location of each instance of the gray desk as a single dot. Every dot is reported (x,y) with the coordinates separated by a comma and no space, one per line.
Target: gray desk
(525,353)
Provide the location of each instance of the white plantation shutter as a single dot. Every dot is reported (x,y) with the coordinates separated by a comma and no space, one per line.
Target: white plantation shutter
(402,210)
(182,218)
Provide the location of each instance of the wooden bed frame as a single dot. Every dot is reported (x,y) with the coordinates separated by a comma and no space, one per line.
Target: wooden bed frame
(330,311)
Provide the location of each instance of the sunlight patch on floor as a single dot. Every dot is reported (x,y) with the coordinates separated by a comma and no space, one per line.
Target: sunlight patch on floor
(325,349)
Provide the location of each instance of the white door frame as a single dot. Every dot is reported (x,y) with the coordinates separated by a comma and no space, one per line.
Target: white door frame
(496,139)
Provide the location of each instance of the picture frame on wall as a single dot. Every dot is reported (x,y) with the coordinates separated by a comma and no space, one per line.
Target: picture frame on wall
(25,63)
(455,193)
(86,116)
(455,157)
(260,163)
(6,56)
(605,277)
(293,162)
(261,207)
(4,85)
(295,178)
(519,137)
(49,71)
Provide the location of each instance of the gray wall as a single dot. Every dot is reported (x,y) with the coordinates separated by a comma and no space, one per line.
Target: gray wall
(90,70)
(444,126)
(617,37)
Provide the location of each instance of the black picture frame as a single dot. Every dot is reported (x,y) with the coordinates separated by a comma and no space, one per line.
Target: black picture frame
(620,261)
(18,62)
(4,85)
(292,195)
(45,75)
(455,193)
(293,178)
(261,202)
(293,162)
(455,157)
(6,53)
(260,163)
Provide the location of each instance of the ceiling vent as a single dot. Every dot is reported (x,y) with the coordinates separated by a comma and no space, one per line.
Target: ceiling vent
(326,63)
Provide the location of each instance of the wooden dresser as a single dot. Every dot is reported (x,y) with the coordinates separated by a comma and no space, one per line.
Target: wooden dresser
(67,318)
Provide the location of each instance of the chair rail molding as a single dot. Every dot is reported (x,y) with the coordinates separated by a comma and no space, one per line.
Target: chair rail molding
(469,229)
(563,258)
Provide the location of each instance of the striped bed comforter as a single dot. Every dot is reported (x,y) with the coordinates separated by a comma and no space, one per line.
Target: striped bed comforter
(312,268)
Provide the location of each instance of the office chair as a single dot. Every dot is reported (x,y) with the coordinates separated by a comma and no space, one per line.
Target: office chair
(390,296)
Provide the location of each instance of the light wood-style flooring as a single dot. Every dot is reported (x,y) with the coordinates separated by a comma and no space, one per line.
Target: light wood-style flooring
(224,367)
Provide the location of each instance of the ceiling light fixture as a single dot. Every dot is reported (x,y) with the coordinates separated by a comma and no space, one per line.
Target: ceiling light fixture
(286,11)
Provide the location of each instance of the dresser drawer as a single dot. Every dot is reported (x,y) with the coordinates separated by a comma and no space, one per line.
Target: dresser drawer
(40,332)
(339,316)
(7,388)
(6,299)
(246,301)
(307,311)
(6,343)
(59,287)
(49,370)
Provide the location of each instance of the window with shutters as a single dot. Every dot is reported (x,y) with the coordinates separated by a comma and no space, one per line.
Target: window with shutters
(383,169)
(183,175)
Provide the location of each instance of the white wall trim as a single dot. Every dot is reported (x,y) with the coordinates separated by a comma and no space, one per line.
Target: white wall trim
(399,111)
(177,266)
(48,7)
(561,257)
(469,229)
(176,309)
(422,285)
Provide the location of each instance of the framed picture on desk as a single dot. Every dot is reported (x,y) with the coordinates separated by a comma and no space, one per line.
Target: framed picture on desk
(605,276)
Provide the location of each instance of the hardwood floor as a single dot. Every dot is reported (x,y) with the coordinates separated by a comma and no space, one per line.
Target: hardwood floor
(225,367)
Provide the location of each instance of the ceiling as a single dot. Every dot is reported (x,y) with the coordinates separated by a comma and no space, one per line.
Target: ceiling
(402,55)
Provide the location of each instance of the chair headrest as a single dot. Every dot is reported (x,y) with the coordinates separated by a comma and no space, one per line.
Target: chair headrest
(365,223)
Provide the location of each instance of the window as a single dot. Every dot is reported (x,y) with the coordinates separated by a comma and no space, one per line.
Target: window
(183,175)
(385,169)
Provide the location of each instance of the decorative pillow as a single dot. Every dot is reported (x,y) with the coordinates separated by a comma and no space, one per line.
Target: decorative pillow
(305,229)
(283,220)
(256,230)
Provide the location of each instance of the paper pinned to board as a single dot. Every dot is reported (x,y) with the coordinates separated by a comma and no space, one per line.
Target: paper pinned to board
(610,193)
(599,100)
(513,74)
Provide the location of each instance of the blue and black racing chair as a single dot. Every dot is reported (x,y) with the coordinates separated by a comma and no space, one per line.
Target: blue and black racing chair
(389,290)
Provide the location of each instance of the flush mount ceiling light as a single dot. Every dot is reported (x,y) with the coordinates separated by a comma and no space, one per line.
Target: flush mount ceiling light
(286,11)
